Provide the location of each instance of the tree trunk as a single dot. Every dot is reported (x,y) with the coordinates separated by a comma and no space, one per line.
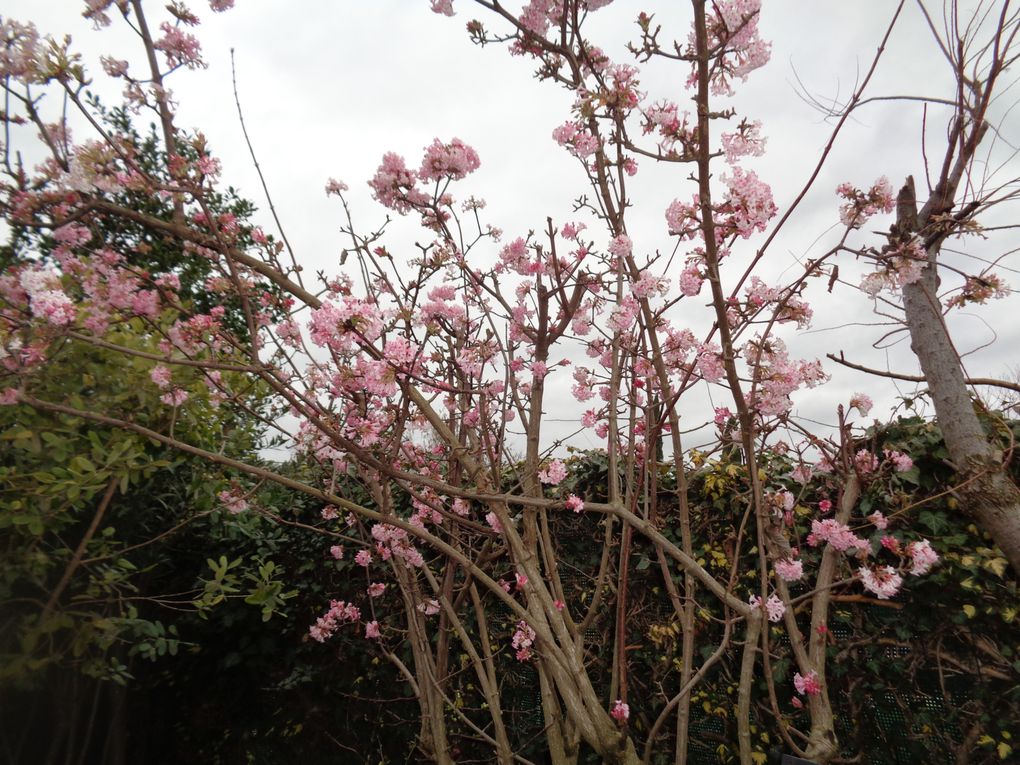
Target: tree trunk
(987,493)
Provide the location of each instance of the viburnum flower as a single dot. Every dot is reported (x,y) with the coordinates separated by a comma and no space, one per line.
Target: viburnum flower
(339,613)
(575,503)
(620,711)
(836,534)
(372,630)
(883,581)
(861,403)
(922,557)
(789,570)
(880,521)
(375,589)
(160,375)
(901,462)
(774,606)
(523,640)
(337,551)
(175,397)
(429,607)
(809,685)
(363,558)
(233,500)
(554,473)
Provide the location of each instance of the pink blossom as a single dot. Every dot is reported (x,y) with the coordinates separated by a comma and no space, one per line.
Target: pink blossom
(879,520)
(836,534)
(809,685)
(892,544)
(375,589)
(862,403)
(745,142)
(621,246)
(396,187)
(883,581)
(825,506)
(523,640)
(444,7)
(160,375)
(559,605)
(372,631)
(180,48)
(789,570)
(339,613)
(494,523)
(575,137)
(862,205)
(555,472)
(521,580)
(329,513)
(691,281)
(233,500)
(175,397)
(219,6)
(337,551)
(429,607)
(575,503)
(749,205)
(865,462)
(363,558)
(453,160)
(901,462)
(722,415)
(774,606)
(620,711)
(801,473)
(922,557)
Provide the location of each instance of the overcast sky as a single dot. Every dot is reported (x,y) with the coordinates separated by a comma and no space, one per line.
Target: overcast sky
(328,86)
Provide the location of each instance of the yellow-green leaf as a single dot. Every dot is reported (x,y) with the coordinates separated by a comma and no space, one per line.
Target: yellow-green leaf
(997,566)
(969,610)
(1004,750)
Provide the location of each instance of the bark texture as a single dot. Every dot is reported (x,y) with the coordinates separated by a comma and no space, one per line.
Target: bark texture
(987,492)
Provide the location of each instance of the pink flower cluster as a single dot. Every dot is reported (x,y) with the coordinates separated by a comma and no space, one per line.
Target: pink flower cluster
(180,48)
(901,462)
(810,685)
(575,503)
(836,534)
(233,500)
(861,403)
(748,207)
(733,29)
(394,540)
(575,137)
(339,613)
(922,557)
(861,205)
(789,570)
(620,711)
(881,580)
(774,606)
(46,298)
(523,640)
(454,160)
(552,474)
